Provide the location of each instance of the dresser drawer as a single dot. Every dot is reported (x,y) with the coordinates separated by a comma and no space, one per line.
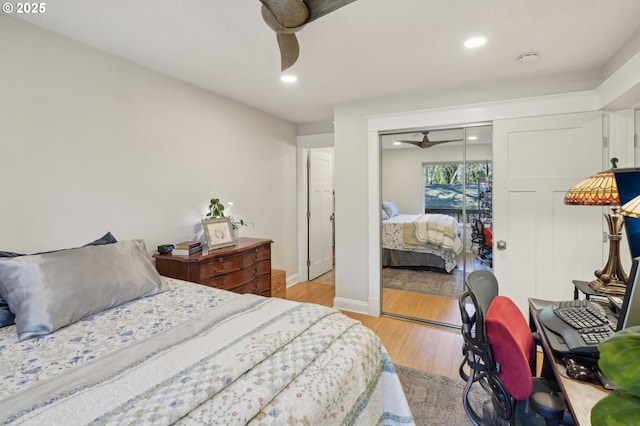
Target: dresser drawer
(255,255)
(237,279)
(261,286)
(221,265)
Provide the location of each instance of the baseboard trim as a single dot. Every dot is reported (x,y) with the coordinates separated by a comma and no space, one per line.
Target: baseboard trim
(351,305)
(292,279)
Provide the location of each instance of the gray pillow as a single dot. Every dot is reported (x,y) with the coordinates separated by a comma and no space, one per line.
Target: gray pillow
(49,291)
(6,316)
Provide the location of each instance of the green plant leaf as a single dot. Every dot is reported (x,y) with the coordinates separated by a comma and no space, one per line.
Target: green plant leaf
(619,408)
(620,359)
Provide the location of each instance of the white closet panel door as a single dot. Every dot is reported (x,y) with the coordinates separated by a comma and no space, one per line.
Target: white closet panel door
(548,244)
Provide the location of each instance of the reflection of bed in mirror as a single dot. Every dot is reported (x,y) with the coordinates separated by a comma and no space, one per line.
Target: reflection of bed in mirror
(424,240)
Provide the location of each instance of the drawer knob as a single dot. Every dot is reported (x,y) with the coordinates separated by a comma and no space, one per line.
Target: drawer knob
(255,271)
(220,270)
(224,283)
(255,289)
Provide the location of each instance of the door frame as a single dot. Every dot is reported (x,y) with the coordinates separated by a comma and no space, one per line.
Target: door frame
(485,112)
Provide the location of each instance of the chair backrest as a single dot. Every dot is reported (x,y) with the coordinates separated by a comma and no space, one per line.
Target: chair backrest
(482,288)
(512,346)
(478,366)
(477,234)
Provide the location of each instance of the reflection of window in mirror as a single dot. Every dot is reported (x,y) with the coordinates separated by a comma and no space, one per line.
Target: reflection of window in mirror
(443,189)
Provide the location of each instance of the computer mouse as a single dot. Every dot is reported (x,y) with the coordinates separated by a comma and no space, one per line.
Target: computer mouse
(577,370)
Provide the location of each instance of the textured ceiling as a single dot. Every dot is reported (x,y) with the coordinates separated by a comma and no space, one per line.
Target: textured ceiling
(367,49)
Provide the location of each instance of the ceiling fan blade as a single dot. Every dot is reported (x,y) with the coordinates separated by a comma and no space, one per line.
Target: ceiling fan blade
(319,8)
(426,143)
(416,143)
(430,144)
(286,17)
(287,13)
(289,50)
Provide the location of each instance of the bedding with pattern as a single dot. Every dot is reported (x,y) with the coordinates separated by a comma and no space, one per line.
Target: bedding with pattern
(436,235)
(189,354)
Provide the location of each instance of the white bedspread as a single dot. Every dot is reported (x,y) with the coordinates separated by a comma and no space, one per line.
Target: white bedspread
(438,230)
(436,234)
(196,355)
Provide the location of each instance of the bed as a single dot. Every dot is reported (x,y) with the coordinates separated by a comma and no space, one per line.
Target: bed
(177,352)
(424,240)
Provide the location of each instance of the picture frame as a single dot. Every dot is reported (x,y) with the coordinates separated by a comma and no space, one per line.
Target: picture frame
(218,232)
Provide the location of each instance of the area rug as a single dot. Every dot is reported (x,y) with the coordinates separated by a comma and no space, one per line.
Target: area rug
(424,281)
(437,400)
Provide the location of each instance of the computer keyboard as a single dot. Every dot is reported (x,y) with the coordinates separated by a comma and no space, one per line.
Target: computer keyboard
(581,314)
(581,323)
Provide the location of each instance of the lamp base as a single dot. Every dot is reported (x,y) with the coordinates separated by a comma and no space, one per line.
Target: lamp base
(613,287)
(612,279)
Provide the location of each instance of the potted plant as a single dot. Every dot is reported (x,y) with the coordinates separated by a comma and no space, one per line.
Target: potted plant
(620,361)
(216,209)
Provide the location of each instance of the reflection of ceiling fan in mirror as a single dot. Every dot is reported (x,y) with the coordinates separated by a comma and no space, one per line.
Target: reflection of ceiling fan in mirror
(426,143)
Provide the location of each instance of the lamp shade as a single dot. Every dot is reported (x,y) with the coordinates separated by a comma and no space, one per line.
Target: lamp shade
(632,208)
(597,190)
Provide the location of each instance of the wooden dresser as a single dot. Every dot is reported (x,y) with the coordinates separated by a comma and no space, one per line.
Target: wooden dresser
(243,268)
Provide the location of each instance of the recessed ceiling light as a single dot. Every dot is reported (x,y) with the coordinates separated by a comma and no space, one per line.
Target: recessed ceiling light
(397,143)
(288,78)
(475,42)
(472,138)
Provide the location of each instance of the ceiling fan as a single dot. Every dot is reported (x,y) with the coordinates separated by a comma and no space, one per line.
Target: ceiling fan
(286,17)
(426,143)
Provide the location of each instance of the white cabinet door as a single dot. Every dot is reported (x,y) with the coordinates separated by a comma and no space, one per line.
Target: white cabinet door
(536,160)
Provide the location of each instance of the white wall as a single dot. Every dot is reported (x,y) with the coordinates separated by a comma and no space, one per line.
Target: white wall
(91,143)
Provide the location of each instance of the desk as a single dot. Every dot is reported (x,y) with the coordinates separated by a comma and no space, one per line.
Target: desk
(580,396)
(585,288)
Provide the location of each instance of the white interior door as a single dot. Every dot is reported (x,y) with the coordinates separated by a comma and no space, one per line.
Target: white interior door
(320,169)
(536,160)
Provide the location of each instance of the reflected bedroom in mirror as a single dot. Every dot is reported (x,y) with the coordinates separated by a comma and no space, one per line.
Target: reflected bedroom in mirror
(436,218)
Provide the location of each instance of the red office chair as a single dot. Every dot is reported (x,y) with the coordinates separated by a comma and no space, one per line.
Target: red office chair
(499,354)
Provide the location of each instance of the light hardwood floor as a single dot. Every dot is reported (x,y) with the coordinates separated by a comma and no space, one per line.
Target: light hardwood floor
(428,348)
(424,306)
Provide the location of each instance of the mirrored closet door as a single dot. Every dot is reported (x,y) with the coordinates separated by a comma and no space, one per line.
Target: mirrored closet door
(436,187)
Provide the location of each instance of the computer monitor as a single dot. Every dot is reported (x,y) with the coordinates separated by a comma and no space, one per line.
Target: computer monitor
(628,182)
(630,310)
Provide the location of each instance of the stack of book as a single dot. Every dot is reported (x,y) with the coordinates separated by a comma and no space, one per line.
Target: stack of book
(186,248)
